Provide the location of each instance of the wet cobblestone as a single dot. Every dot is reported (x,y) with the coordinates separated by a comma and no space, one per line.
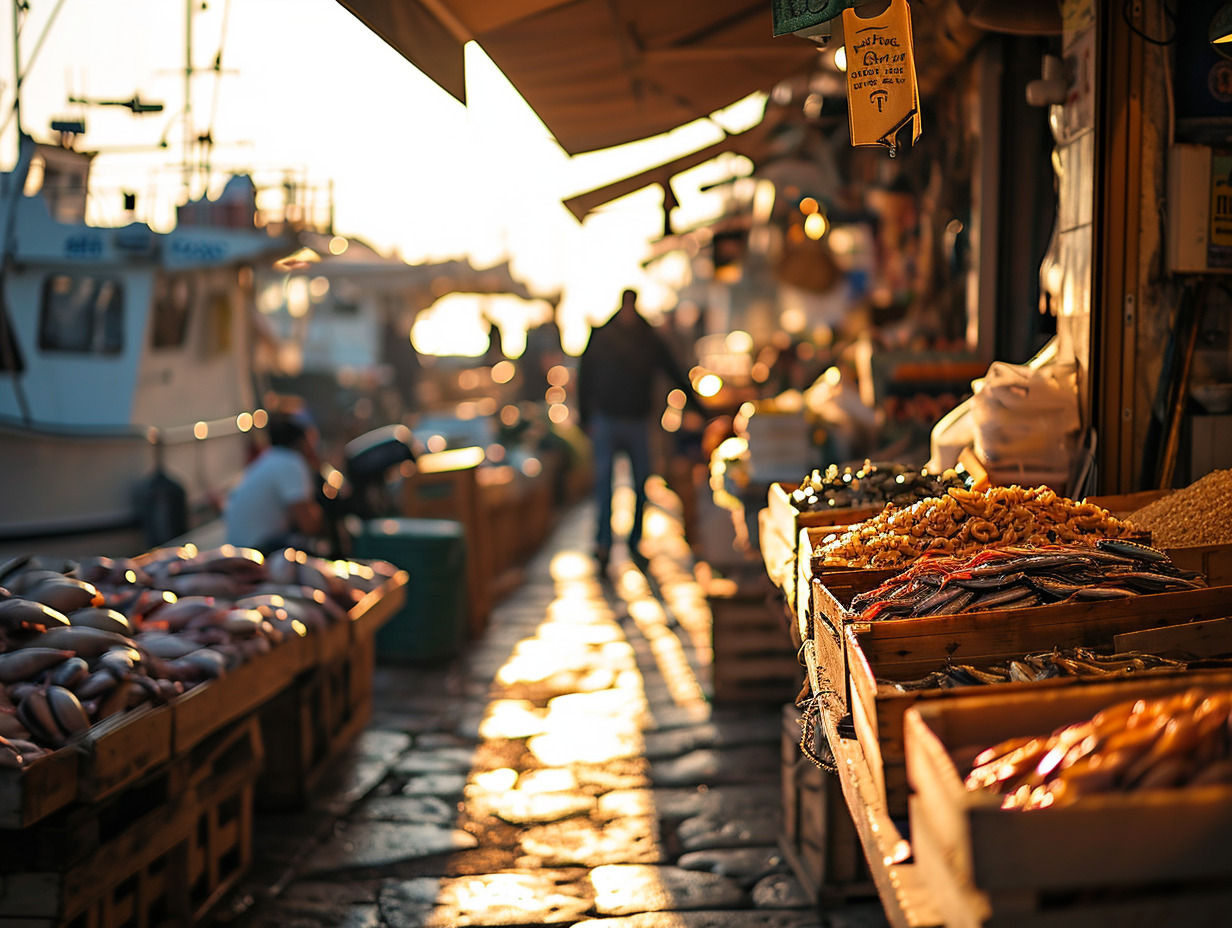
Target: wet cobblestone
(567,770)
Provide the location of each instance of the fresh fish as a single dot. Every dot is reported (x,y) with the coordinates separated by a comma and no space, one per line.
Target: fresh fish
(27,663)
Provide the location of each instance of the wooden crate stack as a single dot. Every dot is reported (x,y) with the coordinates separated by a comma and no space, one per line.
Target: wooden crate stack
(147,818)
(163,850)
(816,836)
(754,661)
(312,721)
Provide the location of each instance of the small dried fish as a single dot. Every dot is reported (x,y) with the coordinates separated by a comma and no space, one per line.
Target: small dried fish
(1021,576)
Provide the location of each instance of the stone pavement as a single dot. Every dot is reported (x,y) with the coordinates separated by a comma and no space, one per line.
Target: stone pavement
(566,770)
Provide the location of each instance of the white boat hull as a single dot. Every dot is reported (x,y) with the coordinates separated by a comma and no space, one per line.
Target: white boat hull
(58,482)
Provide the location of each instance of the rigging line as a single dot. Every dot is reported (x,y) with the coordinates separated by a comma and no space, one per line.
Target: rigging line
(222,40)
(21,76)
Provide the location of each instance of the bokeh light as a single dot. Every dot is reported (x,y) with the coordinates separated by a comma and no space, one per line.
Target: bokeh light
(503,371)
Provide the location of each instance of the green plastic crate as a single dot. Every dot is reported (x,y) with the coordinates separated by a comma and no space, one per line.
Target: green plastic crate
(432,623)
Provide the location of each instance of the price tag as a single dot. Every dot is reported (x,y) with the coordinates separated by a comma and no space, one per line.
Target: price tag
(883,97)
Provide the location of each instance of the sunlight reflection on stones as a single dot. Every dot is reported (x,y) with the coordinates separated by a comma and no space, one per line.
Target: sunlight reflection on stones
(578,609)
(645,611)
(621,889)
(535,660)
(584,744)
(494,781)
(594,633)
(570,566)
(513,718)
(547,780)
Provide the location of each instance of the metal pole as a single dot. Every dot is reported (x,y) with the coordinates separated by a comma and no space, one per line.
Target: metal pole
(188,70)
(17,70)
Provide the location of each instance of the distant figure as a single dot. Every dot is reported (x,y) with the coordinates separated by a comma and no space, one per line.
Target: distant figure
(496,345)
(616,401)
(275,503)
(543,352)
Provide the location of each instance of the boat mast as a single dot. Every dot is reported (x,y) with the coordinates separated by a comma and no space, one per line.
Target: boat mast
(17,7)
(188,74)
(12,194)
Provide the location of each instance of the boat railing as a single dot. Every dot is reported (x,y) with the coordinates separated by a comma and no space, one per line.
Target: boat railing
(201,430)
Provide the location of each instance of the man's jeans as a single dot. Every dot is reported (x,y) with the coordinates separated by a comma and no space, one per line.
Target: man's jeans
(611,436)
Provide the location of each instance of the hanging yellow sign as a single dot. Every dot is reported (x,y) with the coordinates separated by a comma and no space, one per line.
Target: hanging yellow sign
(882,94)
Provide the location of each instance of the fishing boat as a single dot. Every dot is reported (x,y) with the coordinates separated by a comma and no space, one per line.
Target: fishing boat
(126,355)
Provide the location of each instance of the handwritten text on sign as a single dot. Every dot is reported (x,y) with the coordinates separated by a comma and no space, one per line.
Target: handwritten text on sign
(882,95)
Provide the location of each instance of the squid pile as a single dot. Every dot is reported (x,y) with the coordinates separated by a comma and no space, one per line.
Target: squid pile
(83,640)
(962,522)
(1046,665)
(1173,741)
(873,484)
(1020,576)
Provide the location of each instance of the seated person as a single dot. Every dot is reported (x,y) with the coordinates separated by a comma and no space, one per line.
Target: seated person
(275,503)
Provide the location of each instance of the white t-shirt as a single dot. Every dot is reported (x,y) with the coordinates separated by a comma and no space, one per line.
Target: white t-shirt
(258,509)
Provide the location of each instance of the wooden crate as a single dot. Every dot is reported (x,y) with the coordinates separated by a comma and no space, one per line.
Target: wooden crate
(205,709)
(445,485)
(754,660)
(779,531)
(212,705)
(375,609)
(219,849)
(817,836)
(1156,857)
(121,749)
(832,611)
(810,569)
(904,649)
(829,602)
(159,852)
(37,790)
(310,722)
(1212,561)
(786,520)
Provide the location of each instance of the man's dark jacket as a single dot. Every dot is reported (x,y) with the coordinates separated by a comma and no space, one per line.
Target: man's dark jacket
(616,373)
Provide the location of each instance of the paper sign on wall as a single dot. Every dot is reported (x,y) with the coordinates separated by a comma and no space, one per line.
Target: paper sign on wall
(882,95)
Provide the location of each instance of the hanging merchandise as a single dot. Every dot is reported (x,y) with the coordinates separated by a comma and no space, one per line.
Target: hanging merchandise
(883,97)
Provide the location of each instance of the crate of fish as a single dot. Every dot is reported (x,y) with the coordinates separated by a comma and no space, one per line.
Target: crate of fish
(998,606)
(846,495)
(927,588)
(960,522)
(112,667)
(1103,804)
(842,495)
(889,674)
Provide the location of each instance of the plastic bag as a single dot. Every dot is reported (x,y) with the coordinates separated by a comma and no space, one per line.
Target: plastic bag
(1026,418)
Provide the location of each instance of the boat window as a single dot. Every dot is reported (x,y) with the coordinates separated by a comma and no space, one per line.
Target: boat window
(173,299)
(217,336)
(81,313)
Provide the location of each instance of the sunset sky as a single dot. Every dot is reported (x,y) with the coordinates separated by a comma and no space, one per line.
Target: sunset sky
(306,87)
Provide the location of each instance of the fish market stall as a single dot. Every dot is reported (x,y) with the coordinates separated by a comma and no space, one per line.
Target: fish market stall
(152,703)
(970,599)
